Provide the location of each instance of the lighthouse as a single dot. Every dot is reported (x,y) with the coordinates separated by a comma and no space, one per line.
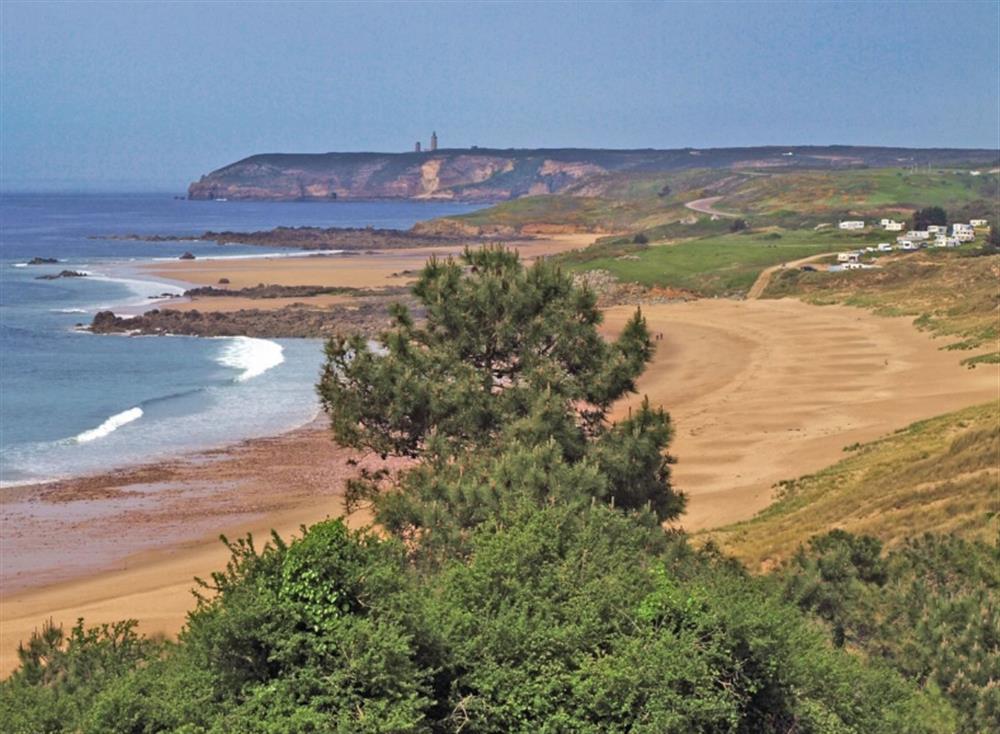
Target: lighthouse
(434,141)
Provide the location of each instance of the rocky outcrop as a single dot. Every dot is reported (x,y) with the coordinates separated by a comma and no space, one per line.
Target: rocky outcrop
(42,261)
(269,291)
(348,239)
(62,274)
(480,174)
(367,317)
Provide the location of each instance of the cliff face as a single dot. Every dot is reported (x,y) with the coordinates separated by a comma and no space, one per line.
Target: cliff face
(493,175)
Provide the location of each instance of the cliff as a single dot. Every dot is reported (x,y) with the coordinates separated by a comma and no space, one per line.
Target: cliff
(481,174)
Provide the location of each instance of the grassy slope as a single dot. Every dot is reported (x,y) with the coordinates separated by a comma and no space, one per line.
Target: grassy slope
(633,202)
(869,191)
(937,475)
(953,296)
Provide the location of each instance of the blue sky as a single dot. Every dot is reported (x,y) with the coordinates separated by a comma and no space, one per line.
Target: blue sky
(152,95)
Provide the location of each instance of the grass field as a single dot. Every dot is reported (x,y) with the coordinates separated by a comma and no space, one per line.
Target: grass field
(939,475)
(713,266)
(954,296)
(864,191)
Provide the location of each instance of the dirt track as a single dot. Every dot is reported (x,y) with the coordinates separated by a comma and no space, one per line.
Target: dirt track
(760,285)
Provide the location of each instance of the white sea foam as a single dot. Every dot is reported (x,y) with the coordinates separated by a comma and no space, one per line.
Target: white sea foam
(147,292)
(110,425)
(253,356)
(257,256)
(68,310)
(20,265)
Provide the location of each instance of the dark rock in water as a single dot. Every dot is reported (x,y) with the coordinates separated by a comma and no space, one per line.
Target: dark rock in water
(42,261)
(223,281)
(186,256)
(105,322)
(62,274)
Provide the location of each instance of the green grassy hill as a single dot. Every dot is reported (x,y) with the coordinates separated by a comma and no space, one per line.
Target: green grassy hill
(714,265)
(653,202)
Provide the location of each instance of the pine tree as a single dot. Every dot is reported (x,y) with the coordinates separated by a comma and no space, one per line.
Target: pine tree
(506,374)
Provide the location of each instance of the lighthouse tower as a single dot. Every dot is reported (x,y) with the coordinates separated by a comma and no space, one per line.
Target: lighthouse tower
(434,141)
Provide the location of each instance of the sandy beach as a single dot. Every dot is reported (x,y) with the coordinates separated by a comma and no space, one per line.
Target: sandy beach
(765,390)
(759,391)
(353,270)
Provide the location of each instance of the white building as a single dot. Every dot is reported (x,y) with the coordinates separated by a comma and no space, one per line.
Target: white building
(892,226)
(979,222)
(965,235)
(941,240)
(960,227)
(918,234)
(905,244)
(853,224)
(952,242)
(847,257)
(884,247)
(937,229)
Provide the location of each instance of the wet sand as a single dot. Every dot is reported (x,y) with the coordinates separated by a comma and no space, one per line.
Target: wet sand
(128,544)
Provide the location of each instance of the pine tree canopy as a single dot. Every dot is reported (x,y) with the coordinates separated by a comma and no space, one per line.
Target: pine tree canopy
(506,364)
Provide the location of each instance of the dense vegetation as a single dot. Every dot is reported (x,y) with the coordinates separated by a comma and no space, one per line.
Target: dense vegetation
(521,579)
(929,609)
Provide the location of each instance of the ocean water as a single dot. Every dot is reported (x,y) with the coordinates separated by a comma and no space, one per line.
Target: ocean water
(73,403)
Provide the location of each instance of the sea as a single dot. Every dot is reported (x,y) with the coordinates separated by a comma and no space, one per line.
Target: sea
(74,403)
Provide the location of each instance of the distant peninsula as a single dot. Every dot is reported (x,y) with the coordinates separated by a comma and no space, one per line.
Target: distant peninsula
(491,174)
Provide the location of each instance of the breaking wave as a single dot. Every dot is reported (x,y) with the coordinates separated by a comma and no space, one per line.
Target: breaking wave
(253,356)
(110,425)
(259,256)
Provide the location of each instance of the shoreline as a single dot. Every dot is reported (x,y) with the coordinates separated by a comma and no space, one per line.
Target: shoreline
(129,543)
